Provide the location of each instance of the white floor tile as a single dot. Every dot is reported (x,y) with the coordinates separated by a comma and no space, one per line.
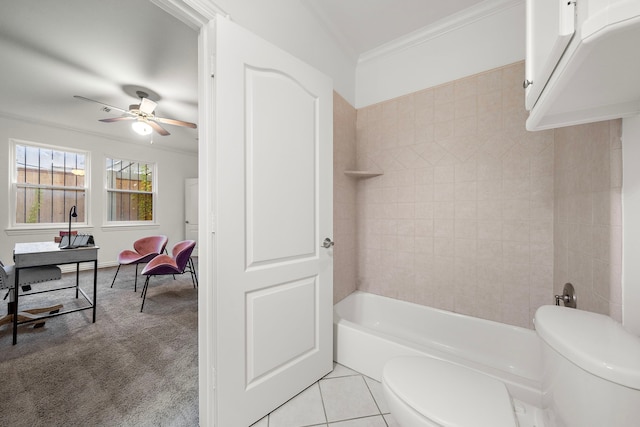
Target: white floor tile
(346,398)
(391,422)
(378,394)
(341,371)
(376,421)
(303,410)
(262,423)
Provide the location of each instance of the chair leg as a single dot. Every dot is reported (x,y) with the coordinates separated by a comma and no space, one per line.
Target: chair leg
(194,275)
(194,280)
(114,277)
(144,292)
(135,282)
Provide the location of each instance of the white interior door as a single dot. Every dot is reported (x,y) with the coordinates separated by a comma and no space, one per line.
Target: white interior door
(191,211)
(274,280)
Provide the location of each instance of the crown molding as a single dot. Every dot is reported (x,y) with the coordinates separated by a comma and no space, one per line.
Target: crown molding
(450,23)
(193,13)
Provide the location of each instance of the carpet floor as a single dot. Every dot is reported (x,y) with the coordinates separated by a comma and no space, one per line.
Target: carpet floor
(127,369)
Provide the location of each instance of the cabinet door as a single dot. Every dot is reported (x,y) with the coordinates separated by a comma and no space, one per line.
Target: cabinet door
(550,27)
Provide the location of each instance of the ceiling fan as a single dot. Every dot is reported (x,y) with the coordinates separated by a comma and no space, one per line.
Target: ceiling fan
(142,115)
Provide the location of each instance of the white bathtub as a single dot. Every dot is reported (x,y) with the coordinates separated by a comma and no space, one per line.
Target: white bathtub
(370,329)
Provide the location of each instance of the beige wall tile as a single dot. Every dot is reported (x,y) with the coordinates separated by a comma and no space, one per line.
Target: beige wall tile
(443,93)
(489,81)
(471,206)
(587,249)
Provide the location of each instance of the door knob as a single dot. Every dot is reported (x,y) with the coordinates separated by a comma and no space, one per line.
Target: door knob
(327,243)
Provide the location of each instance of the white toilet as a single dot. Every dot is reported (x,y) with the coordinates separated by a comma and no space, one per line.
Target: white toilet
(591,377)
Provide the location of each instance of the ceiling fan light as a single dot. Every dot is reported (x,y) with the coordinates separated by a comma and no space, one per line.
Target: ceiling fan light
(141,128)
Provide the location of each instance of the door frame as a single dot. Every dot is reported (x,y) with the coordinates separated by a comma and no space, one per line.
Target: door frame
(200,15)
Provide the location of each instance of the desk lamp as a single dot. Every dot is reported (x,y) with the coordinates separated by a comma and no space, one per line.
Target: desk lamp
(72,213)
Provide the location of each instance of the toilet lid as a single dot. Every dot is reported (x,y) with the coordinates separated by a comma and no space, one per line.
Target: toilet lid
(448,394)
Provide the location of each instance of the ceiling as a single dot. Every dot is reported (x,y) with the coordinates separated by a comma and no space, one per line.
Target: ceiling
(363,25)
(53,50)
(104,50)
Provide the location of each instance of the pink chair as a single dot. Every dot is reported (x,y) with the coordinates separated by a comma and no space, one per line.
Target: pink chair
(145,250)
(179,262)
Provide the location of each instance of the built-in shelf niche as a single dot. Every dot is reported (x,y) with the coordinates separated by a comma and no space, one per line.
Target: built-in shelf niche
(362,174)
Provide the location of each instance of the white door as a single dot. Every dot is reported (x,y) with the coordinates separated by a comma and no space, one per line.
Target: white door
(191,211)
(274,280)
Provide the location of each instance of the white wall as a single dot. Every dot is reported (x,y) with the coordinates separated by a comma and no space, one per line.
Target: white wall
(483,44)
(292,27)
(490,42)
(631,224)
(173,167)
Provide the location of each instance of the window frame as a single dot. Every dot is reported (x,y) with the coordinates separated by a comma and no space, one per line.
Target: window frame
(14,185)
(108,191)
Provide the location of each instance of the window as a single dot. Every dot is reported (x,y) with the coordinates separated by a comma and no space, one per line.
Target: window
(47,182)
(130,191)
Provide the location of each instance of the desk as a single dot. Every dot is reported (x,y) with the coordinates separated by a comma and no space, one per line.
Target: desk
(26,255)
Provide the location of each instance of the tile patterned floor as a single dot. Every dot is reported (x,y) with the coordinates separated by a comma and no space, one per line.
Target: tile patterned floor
(343,398)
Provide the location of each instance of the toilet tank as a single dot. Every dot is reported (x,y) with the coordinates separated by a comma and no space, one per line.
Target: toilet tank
(591,369)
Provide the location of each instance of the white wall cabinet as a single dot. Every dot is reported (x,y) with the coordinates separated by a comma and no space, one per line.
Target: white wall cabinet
(550,27)
(583,76)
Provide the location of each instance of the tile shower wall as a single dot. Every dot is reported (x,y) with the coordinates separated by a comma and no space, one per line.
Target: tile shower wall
(463,217)
(588,215)
(344,199)
(473,214)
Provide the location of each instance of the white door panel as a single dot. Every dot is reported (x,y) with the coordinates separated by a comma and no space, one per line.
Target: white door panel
(281,154)
(296,300)
(274,207)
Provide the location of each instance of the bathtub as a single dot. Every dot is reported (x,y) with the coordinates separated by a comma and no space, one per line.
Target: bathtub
(370,329)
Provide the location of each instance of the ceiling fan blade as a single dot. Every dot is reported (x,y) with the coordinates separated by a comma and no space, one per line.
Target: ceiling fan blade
(162,131)
(147,106)
(116,119)
(110,107)
(175,122)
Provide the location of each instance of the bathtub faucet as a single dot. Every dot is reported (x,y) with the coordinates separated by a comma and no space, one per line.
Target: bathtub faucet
(568,296)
